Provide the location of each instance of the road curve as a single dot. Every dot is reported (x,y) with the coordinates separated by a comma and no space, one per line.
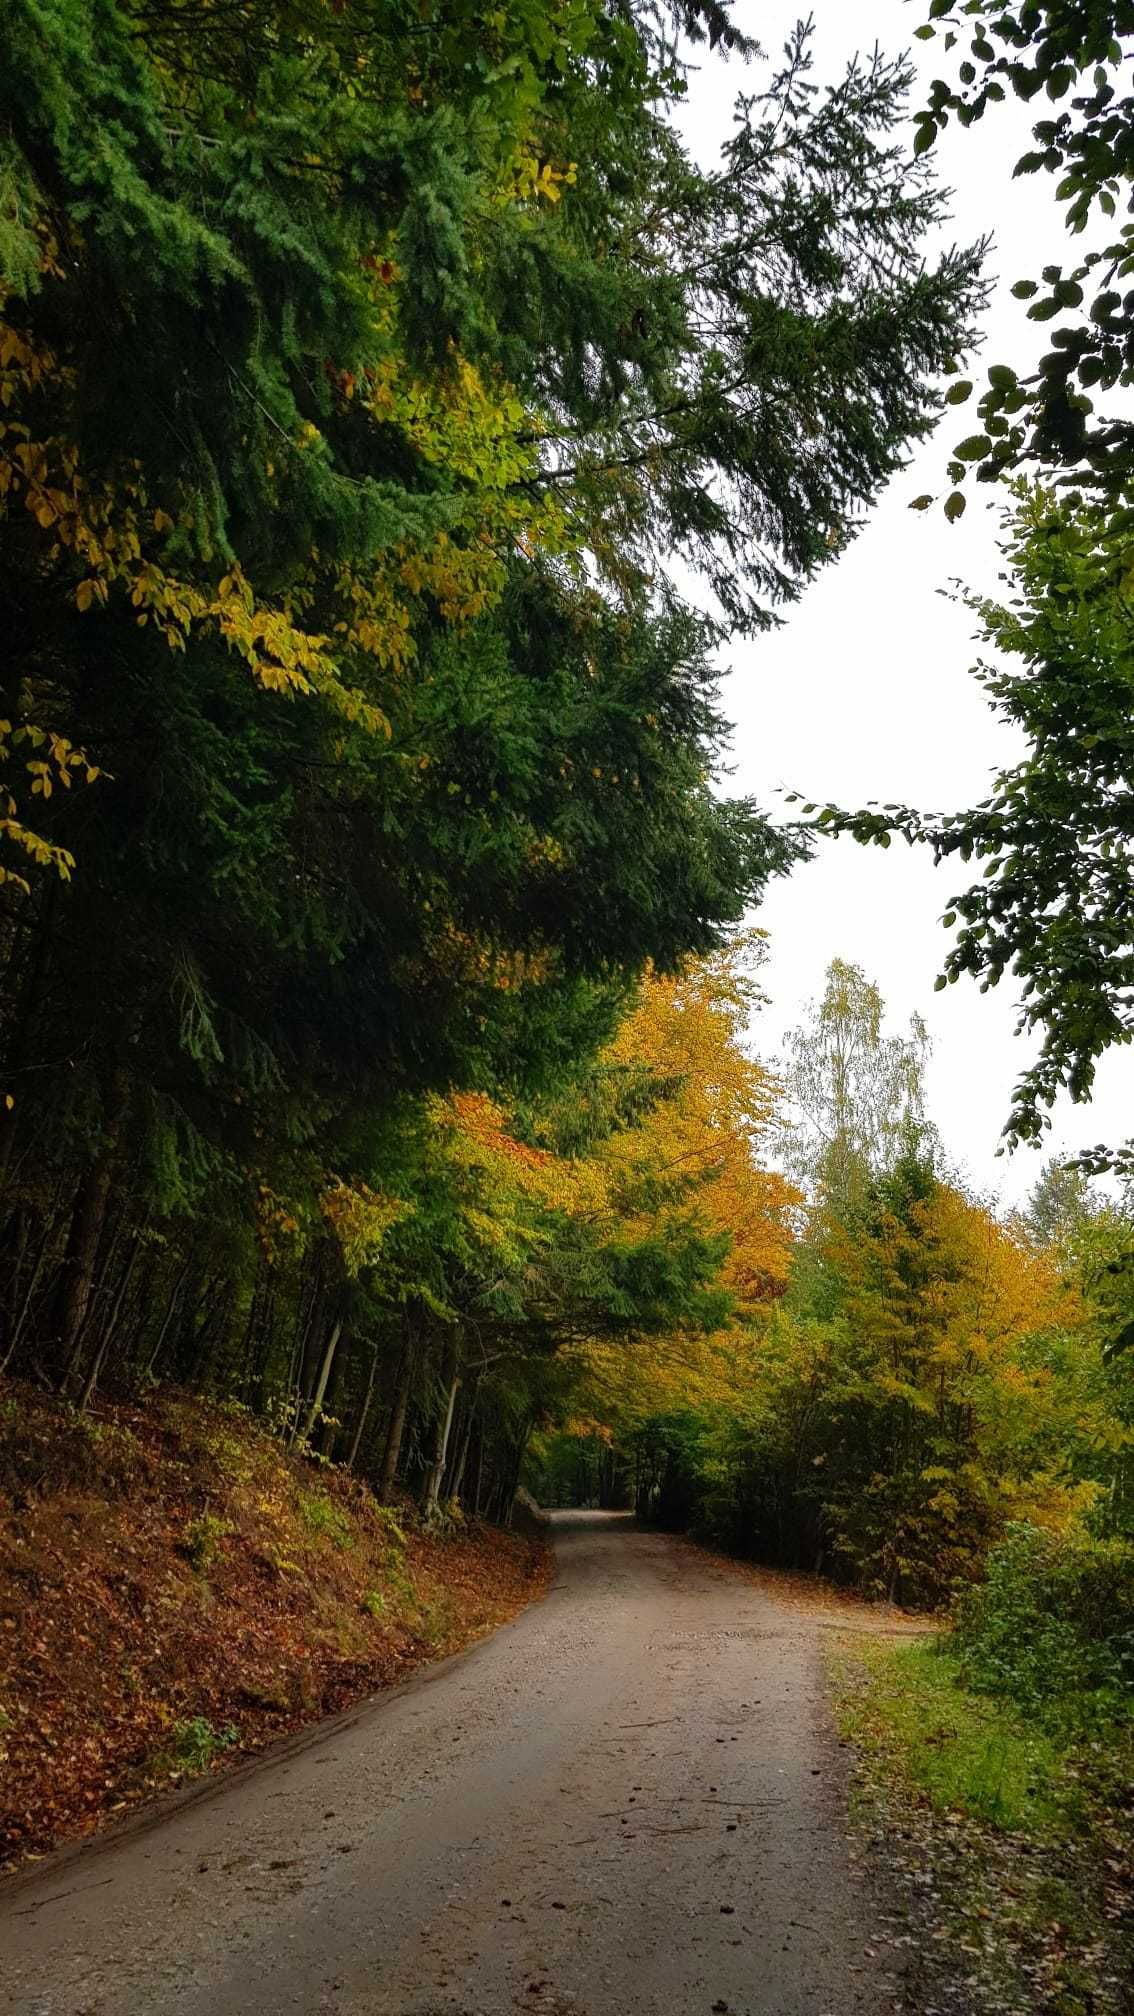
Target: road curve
(624,1804)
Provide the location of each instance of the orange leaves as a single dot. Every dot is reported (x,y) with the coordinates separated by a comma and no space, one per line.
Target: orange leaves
(705,1137)
(360,1218)
(519,1176)
(973,1284)
(482,1123)
(698,1149)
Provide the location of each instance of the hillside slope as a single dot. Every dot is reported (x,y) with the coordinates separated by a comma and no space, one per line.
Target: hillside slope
(177,1589)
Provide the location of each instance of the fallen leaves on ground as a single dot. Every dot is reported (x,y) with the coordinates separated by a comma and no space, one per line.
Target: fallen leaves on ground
(185,1591)
(994,1921)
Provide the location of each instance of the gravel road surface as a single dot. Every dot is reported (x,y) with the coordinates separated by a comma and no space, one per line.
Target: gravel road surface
(627,1803)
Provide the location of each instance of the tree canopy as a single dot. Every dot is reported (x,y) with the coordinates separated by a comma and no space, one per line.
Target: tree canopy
(373,380)
(1054,906)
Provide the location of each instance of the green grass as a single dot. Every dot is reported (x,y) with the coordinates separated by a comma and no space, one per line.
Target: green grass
(1003,1840)
(906,1708)
(192,1746)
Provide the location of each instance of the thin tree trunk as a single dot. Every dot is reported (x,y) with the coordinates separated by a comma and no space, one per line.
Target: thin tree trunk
(209,1333)
(331,1425)
(29,1004)
(310,1311)
(479,1474)
(264,1352)
(451,1388)
(166,1320)
(463,1447)
(509,1498)
(80,1260)
(99,1359)
(248,1341)
(317,1397)
(85,1235)
(20,1316)
(397,1426)
(108,1257)
(458,1476)
(364,1410)
(15,1242)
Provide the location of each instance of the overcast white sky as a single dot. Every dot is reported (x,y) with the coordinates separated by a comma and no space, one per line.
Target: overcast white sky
(865,692)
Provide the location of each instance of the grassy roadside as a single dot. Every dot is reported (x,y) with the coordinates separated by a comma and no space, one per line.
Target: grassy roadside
(177,1590)
(1007,1842)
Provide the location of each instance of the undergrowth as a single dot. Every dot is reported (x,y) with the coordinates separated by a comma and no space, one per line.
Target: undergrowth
(178,1587)
(967,1754)
(1005,1832)
(194,1746)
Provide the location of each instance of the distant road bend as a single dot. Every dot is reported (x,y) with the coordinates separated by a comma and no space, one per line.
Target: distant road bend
(625,1804)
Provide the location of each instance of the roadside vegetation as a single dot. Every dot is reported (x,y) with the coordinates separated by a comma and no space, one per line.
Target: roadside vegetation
(177,1589)
(923,1404)
(994,1776)
(396,425)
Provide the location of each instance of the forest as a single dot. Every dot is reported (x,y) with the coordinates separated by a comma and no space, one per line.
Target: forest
(915,1373)
(359,740)
(398,424)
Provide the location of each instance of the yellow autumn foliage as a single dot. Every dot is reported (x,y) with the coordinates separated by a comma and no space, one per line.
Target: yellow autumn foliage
(709,1138)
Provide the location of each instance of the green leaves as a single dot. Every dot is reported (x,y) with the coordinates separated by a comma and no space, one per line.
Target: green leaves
(1069,55)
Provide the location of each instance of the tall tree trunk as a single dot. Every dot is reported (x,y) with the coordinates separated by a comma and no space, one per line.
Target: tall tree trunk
(264,1352)
(80,1259)
(110,1326)
(396,1429)
(20,1308)
(512,1485)
(302,1358)
(450,1387)
(330,1428)
(248,1341)
(317,1397)
(364,1410)
(85,1236)
(479,1474)
(25,1019)
(14,1249)
(462,1457)
(155,1354)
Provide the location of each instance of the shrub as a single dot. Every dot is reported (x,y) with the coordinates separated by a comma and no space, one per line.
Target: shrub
(194,1744)
(321,1515)
(389,1525)
(1052,1624)
(203,1536)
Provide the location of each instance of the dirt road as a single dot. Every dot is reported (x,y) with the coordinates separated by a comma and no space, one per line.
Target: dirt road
(625,1804)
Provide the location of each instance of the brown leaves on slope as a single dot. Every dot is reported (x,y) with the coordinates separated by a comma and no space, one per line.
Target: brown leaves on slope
(176,1590)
